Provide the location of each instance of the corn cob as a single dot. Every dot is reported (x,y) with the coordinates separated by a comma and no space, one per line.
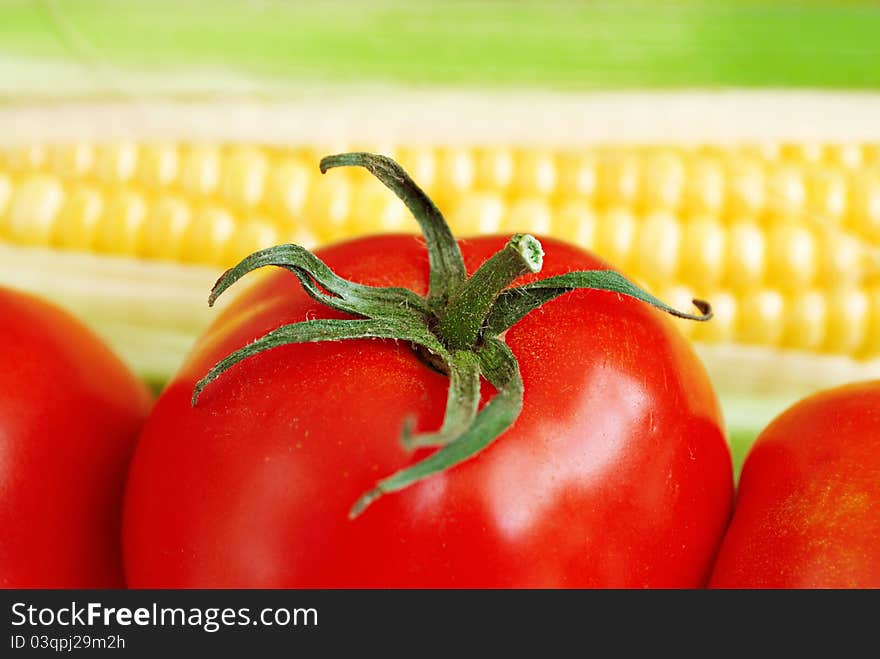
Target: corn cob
(783,238)
(786,236)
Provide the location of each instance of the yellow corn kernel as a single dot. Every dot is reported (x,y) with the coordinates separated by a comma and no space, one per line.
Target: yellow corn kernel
(493,169)
(871,154)
(746,255)
(616,232)
(722,327)
(243,177)
(78,219)
(118,230)
(703,251)
(762,317)
(529,215)
(33,209)
(328,207)
(865,214)
(664,182)
(421,164)
(843,261)
(849,156)
(455,174)
(5,194)
(478,213)
(534,173)
(746,187)
(207,237)
(575,222)
(802,152)
(712,151)
(827,192)
(376,209)
(791,256)
(847,320)
(705,187)
(253,234)
(23,159)
(200,171)
(72,160)
(806,322)
(287,189)
(768,151)
(116,163)
(300,236)
(786,193)
(658,245)
(159,165)
(577,175)
(164,226)
(619,179)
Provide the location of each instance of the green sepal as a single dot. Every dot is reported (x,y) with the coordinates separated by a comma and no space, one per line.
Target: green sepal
(462,401)
(447,271)
(309,331)
(514,303)
(499,366)
(316,277)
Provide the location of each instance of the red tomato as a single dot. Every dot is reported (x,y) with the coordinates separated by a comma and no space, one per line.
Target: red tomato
(808,508)
(69,414)
(616,473)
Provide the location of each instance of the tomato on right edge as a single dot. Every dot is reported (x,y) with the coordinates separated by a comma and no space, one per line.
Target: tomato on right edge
(808,507)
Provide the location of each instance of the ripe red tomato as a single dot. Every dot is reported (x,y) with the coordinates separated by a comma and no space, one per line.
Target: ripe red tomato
(70,411)
(616,473)
(808,508)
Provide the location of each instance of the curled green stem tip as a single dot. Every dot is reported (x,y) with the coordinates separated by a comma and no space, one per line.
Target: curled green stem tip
(705,310)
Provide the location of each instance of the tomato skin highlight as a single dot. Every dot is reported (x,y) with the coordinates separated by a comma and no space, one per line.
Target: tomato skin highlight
(616,474)
(808,508)
(70,412)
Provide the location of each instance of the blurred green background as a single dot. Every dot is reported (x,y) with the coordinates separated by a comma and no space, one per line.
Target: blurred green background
(145,45)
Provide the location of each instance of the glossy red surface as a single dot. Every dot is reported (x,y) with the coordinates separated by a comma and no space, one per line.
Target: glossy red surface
(70,412)
(617,472)
(808,507)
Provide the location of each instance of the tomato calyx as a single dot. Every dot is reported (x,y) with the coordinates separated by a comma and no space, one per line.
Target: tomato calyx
(455,329)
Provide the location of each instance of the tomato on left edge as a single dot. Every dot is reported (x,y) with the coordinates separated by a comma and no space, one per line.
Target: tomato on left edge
(70,411)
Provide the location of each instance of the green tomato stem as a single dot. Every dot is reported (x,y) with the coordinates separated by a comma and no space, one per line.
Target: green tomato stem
(463,321)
